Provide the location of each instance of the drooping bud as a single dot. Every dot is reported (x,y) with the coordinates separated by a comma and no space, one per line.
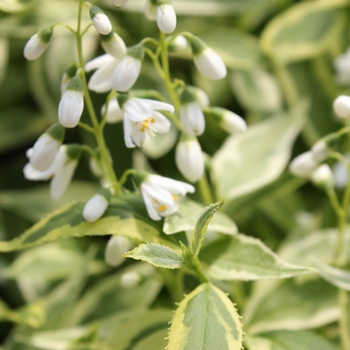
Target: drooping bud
(207,61)
(71,105)
(341,106)
(189,158)
(96,205)
(119,3)
(113,44)
(150,9)
(68,75)
(114,112)
(231,122)
(130,279)
(128,69)
(191,114)
(46,147)
(323,177)
(37,44)
(179,44)
(166,16)
(116,247)
(101,22)
(303,165)
(320,151)
(201,97)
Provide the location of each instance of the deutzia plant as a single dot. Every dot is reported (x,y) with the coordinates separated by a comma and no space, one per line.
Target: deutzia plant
(142,252)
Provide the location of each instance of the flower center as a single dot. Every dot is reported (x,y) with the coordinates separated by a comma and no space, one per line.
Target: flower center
(145,125)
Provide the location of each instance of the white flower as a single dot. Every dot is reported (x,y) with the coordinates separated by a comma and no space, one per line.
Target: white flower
(141,117)
(116,247)
(114,112)
(96,206)
(189,159)
(101,80)
(95,167)
(46,148)
(166,17)
(119,3)
(71,105)
(37,44)
(192,118)
(101,22)
(342,67)
(320,151)
(233,123)
(323,176)
(113,44)
(61,170)
(150,10)
(160,195)
(126,73)
(303,165)
(341,106)
(130,279)
(340,173)
(180,44)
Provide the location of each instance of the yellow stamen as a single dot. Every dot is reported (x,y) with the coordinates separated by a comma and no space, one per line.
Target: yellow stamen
(162,208)
(175,197)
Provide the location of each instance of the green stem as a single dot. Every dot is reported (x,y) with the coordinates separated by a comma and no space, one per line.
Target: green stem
(205,190)
(125,176)
(197,268)
(344,319)
(238,294)
(98,131)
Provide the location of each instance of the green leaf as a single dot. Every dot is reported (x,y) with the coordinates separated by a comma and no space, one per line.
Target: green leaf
(344,324)
(254,159)
(125,215)
(292,304)
(144,330)
(287,340)
(202,226)
(338,277)
(304,30)
(206,319)
(245,258)
(185,219)
(156,255)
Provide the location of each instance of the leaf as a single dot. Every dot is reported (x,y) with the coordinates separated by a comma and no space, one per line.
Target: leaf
(205,319)
(305,30)
(291,305)
(202,226)
(144,330)
(254,159)
(338,277)
(156,255)
(245,258)
(125,215)
(287,340)
(186,217)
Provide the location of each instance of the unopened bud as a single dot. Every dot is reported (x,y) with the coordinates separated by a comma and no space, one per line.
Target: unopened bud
(130,279)
(320,151)
(303,165)
(323,177)
(341,106)
(101,22)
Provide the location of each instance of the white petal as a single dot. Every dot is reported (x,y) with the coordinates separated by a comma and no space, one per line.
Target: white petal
(162,124)
(34,48)
(189,160)
(138,136)
(95,208)
(303,165)
(233,123)
(166,18)
(136,110)
(320,151)
(130,279)
(44,152)
(126,73)
(173,186)
(114,113)
(192,119)
(102,23)
(116,247)
(341,106)
(98,62)
(340,174)
(61,179)
(70,108)
(30,173)
(158,193)
(127,132)
(149,205)
(160,106)
(101,80)
(115,46)
(210,64)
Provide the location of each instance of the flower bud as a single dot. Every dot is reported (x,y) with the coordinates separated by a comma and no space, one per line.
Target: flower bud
(191,114)
(150,9)
(201,97)
(323,177)
(128,69)
(207,61)
(303,165)
(341,106)
(320,151)
(68,75)
(340,174)
(130,279)
(46,147)
(113,44)
(179,44)
(101,22)
(231,122)
(71,105)
(189,158)
(96,206)
(37,44)
(166,16)
(119,3)
(116,247)
(114,113)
